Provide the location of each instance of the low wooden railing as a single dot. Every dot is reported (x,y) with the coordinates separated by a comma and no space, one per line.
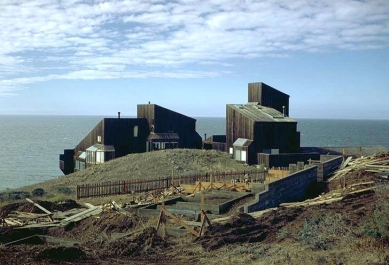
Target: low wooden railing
(109,188)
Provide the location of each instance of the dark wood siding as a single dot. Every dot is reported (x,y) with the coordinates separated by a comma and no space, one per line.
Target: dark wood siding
(268,96)
(91,137)
(237,126)
(283,160)
(163,120)
(276,135)
(265,134)
(120,134)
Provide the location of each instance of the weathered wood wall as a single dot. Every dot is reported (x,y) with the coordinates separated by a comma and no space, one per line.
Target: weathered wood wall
(237,126)
(120,134)
(167,121)
(268,96)
(276,135)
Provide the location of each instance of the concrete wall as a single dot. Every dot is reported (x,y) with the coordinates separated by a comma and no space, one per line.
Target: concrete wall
(291,188)
(326,165)
(283,160)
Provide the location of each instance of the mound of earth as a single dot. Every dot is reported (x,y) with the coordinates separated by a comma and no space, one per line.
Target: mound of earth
(148,165)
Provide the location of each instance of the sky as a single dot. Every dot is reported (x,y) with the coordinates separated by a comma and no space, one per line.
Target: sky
(95,57)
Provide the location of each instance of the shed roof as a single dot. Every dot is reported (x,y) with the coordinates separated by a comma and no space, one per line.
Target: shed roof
(163,136)
(242,142)
(81,155)
(257,112)
(101,147)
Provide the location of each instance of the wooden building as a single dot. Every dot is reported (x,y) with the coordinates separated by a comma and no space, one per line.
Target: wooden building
(162,120)
(155,128)
(215,142)
(270,130)
(244,151)
(268,96)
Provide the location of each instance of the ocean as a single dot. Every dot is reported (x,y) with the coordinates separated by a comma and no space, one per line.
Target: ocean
(30,145)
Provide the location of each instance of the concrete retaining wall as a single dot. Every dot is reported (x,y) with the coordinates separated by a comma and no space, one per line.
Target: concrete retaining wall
(291,188)
(190,206)
(225,207)
(327,164)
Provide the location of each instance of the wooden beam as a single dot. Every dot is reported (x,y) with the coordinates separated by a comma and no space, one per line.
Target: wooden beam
(40,207)
(180,222)
(82,215)
(204,218)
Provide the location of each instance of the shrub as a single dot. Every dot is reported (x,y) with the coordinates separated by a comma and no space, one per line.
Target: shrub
(282,234)
(382,192)
(320,231)
(63,190)
(38,192)
(18,195)
(378,224)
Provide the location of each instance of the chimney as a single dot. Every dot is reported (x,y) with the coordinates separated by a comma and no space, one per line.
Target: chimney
(283,111)
(119,115)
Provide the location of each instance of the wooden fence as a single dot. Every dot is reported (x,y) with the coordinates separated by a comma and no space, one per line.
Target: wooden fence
(109,188)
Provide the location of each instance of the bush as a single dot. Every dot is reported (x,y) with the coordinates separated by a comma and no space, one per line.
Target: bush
(63,190)
(378,224)
(282,234)
(38,192)
(18,195)
(320,231)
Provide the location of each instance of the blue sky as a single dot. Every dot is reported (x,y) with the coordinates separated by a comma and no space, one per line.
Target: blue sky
(70,57)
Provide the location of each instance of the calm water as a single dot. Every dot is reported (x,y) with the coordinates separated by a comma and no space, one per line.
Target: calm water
(30,145)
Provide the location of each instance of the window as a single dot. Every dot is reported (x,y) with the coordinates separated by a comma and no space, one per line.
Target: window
(243,156)
(136,131)
(99,138)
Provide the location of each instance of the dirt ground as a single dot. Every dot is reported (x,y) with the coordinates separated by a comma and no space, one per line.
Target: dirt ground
(341,232)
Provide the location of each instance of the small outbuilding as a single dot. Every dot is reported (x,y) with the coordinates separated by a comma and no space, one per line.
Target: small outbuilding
(244,151)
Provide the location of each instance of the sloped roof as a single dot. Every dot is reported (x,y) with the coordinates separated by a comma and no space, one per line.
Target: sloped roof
(101,147)
(242,142)
(256,112)
(164,136)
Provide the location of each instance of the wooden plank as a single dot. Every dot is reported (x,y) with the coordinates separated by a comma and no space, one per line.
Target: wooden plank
(180,222)
(89,205)
(298,204)
(13,222)
(40,207)
(82,215)
(39,225)
(24,215)
(345,163)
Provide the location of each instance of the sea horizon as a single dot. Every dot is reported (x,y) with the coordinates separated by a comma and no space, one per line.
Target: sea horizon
(134,116)
(31,144)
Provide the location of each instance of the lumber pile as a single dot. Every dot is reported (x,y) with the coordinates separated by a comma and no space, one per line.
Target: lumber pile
(378,163)
(20,220)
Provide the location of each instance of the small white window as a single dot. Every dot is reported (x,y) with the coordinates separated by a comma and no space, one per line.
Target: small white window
(231,150)
(136,131)
(99,138)
(243,156)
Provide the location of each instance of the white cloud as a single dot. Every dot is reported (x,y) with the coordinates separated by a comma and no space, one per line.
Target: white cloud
(105,39)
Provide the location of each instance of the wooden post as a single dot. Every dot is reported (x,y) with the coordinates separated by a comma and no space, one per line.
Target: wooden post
(202,202)
(204,217)
(162,220)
